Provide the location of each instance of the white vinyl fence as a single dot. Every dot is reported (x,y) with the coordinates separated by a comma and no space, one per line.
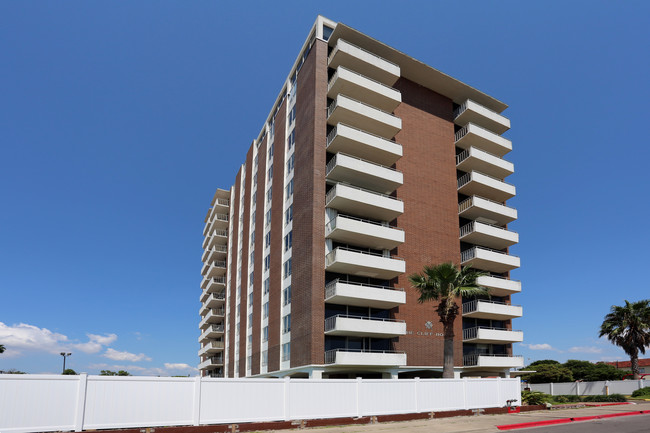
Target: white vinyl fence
(39,403)
(605,387)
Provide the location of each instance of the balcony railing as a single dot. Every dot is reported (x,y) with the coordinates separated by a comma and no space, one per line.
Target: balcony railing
(472,359)
(331,108)
(331,56)
(467,177)
(332,192)
(469,228)
(330,288)
(468,202)
(458,111)
(471,306)
(331,256)
(471,253)
(220,233)
(471,333)
(330,355)
(336,75)
(330,322)
(332,163)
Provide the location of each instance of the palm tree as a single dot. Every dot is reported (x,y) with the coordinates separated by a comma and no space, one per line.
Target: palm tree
(444,283)
(2,348)
(629,328)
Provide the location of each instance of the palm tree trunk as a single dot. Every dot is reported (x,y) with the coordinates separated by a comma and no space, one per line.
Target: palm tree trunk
(634,363)
(448,355)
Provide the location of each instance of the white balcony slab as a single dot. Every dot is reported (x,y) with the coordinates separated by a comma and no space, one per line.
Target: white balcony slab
(491,336)
(488,260)
(473,135)
(362,295)
(367,359)
(362,144)
(217,269)
(365,174)
(489,361)
(212,361)
(212,347)
(211,332)
(487,235)
(363,62)
(499,286)
(363,233)
(473,112)
(476,207)
(362,203)
(490,310)
(363,116)
(351,262)
(479,160)
(364,327)
(362,88)
(476,183)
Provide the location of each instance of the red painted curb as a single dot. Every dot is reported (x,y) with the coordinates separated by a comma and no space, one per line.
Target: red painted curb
(568,420)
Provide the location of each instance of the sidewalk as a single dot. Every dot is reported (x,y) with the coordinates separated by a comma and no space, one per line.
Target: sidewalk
(481,423)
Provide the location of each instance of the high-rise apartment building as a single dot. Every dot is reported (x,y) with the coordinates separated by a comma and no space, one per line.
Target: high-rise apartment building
(369,166)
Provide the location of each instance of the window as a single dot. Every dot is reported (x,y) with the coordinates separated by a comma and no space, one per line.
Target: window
(265,358)
(250,325)
(286,295)
(286,324)
(287,268)
(290,163)
(267,285)
(291,140)
(290,188)
(252,259)
(269,173)
(267,218)
(265,333)
(265,310)
(327,32)
(250,277)
(267,240)
(252,237)
(255,180)
(292,116)
(288,240)
(267,264)
(271,151)
(249,360)
(250,300)
(286,351)
(257,159)
(269,195)
(271,129)
(288,215)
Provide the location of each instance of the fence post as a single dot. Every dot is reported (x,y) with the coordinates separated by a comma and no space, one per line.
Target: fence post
(287,399)
(498,390)
(577,387)
(357,389)
(196,415)
(464,392)
(81,402)
(551,389)
(417,387)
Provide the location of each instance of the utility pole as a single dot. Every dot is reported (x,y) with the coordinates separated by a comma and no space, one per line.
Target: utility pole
(64,355)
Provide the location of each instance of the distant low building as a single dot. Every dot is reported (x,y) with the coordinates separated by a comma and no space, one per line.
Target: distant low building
(644,365)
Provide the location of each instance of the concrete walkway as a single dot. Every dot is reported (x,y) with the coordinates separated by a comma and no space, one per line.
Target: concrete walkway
(481,423)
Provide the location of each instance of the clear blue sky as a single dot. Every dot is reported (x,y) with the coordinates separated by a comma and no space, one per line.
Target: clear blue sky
(119,119)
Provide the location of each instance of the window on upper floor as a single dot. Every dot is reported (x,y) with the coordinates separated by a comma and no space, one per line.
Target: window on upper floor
(286,295)
(290,188)
(286,324)
(288,215)
(290,163)
(287,268)
(288,240)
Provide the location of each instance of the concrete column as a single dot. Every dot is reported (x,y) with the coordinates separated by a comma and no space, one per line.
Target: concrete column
(316,373)
(457,374)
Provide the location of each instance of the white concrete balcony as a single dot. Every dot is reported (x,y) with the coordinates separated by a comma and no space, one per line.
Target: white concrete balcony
(479,160)
(217,237)
(217,269)
(493,361)
(365,358)
(356,326)
(488,235)
(473,135)
(476,207)
(218,252)
(363,62)
(484,309)
(487,335)
(473,112)
(363,295)
(476,183)
(213,284)
(364,233)
(212,332)
(212,361)
(213,316)
(362,88)
(365,264)
(499,286)
(489,260)
(211,347)
(365,174)
(363,203)
(219,221)
(213,300)
(363,116)
(362,144)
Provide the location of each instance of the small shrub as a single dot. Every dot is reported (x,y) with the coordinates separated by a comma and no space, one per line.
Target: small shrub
(534,397)
(570,398)
(613,398)
(643,392)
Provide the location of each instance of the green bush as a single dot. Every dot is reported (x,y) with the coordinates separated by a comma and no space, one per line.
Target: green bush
(613,398)
(567,398)
(534,397)
(643,392)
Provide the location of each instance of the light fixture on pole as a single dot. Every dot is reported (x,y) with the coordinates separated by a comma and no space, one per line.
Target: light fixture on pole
(64,355)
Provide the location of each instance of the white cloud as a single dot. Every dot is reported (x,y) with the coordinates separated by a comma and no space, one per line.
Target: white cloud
(179,366)
(116,355)
(541,346)
(23,337)
(585,349)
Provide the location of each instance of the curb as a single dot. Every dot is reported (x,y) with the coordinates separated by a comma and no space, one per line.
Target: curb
(568,420)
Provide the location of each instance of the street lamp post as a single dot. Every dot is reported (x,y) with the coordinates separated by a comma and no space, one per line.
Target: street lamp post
(64,355)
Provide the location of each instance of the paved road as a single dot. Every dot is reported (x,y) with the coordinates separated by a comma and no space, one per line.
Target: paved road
(624,424)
